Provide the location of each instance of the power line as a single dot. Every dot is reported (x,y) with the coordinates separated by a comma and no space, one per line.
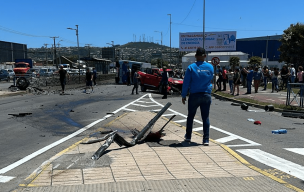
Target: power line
(188,12)
(18,32)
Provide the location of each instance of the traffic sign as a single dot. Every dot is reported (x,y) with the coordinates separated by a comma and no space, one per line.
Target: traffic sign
(215,61)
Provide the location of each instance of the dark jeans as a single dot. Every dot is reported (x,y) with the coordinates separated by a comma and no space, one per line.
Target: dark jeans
(202,100)
(219,83)
(231,86)
(265,82)
(62,83)
(224,84)
(164,90)
(249,83)
(135,87)
(94,80)
(275,84)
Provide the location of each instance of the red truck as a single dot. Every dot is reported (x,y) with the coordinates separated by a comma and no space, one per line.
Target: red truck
(151,80)
(21,68)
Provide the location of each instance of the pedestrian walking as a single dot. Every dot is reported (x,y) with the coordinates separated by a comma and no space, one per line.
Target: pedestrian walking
(129,76)
(89,79)
(62,77)
(220,78)
(274,79)
(224,78)
(236,82)
(230,75)
(249,73)
(94,76)
(198,82)
(164,82)
(292,73)
(136,77)
(257,76)
(300,74)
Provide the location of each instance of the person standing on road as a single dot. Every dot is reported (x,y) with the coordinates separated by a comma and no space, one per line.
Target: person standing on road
(292,73)
(198,82)
(164,82)
(129,76)
(265,77)
(62,77)
(257,76)
(224,78)
(300,74)
(220,78)
(230,80)
(249,79)
(274,79)
(89,79)
(236,82)
(244,77)
(136,77)
(94,76)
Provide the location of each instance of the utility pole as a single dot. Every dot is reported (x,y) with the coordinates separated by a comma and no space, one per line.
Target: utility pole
(204,28)
(54,38)
(89,48)
(46,54)
(58,44)
(170,41)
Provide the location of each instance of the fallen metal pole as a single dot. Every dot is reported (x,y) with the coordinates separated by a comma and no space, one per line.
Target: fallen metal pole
(100,139)
(104,147)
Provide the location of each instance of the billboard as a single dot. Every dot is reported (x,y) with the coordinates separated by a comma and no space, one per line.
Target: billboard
(214,41)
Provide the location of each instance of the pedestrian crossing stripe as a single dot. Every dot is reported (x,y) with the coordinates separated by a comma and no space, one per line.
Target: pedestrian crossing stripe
(248,178)
(296,150)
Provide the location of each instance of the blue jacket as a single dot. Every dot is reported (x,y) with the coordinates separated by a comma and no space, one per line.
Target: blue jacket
(198,78)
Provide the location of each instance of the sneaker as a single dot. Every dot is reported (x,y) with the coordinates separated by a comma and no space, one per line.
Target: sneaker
(237,94)
(206,142)
(187,140)
(164,97)
(92,91)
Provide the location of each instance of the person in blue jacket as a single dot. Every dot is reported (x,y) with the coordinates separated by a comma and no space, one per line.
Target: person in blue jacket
(249,79)
(198,82)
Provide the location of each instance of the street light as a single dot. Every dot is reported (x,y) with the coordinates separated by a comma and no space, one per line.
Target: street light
(170,39)
(77,48)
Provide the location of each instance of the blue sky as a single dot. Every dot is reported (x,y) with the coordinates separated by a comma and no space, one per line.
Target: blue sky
(103,21)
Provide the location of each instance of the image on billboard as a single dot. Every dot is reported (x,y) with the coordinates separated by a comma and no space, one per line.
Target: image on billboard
(214,41)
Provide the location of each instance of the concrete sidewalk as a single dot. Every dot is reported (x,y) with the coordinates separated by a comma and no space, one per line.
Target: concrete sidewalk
(169,165)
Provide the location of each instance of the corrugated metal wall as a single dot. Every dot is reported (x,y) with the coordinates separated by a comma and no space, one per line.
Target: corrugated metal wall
(10,51)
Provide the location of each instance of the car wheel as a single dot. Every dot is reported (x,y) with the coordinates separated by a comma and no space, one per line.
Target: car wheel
(143,88)
(22,83)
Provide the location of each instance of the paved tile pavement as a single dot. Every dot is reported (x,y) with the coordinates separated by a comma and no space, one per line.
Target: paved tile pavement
(145,167)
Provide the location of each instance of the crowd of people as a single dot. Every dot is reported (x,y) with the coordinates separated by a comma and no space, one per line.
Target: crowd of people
(257,76)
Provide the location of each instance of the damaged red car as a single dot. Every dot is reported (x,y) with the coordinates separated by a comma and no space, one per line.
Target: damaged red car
(151,80)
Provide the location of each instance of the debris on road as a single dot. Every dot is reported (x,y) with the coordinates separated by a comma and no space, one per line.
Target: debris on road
(269,108)
(235,104)
(244,106)
(252,120)
(259,110)
(138,138)
(280,131)
(20,114)
(257,123)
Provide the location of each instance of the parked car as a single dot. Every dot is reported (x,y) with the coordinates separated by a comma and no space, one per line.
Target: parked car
(4,75)
(45,72)
(151,80)
(11,73)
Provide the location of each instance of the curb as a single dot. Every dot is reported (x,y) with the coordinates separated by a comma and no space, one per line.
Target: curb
(247,103)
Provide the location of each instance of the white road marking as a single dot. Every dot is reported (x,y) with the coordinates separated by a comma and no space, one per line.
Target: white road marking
(56,166)
(251,143)
(128,109)
(181,121)
(275,162)
(171,114)
(144,102)
(4,179)
(226,139)
(46,148)
(296,150)
(198,129)
(144,105)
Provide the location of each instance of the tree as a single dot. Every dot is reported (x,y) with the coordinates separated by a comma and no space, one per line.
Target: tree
(255,61)
(234,61)
(292,47)
(159,62)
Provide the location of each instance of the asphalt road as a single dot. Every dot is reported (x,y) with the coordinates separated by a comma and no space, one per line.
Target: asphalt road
(55,117)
